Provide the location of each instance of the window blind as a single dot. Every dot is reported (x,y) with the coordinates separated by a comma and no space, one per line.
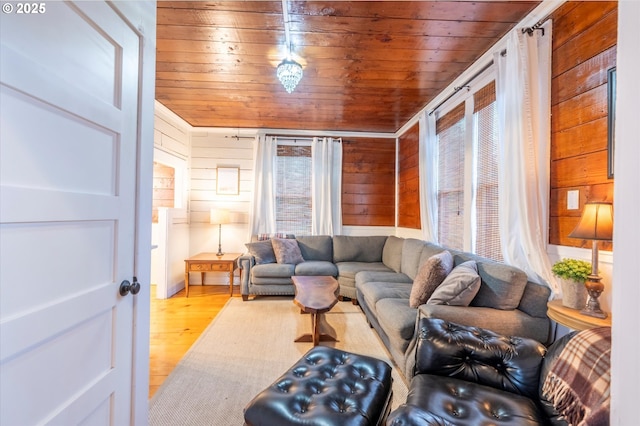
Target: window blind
(450,132)
(293,189)
(450,119)
(487,238)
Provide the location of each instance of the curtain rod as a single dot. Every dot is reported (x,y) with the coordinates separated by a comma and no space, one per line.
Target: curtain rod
(304,138)
(465,84)
(537,26)
(293,138)
(240,137)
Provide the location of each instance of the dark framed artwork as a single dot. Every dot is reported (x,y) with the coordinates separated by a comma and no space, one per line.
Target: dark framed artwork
(611,119)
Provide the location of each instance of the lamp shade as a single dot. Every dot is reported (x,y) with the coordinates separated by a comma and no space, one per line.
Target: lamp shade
(596,222)
(220,216)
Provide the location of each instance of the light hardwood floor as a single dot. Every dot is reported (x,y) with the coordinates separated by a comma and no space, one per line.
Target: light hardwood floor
(175,325)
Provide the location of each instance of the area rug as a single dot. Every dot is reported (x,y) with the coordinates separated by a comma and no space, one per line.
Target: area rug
(244,349)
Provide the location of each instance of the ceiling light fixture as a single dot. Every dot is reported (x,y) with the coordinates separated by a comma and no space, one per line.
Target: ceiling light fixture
(289,72)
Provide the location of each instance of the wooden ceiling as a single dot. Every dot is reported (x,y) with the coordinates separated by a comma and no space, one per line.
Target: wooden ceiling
(369,66)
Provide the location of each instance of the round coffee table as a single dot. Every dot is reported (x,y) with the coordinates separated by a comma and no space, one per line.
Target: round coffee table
(316,295)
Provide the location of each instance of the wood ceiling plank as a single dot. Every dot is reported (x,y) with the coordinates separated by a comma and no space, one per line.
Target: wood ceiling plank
(442,10)
(368,66)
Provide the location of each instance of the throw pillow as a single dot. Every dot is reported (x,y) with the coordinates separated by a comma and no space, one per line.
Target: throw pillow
(459,288)
(262,251)
(430,275)
(287,251)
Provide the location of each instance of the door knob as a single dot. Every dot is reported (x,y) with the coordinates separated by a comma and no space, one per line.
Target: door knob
(126,287)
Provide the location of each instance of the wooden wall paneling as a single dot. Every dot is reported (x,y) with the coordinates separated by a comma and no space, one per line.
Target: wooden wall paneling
(558,198)
(583,139)
(585,107)
(585,169)
(568,22)
(585,76)
(409,179)
(564,226)
(368,182)
(595,39)
(584,48)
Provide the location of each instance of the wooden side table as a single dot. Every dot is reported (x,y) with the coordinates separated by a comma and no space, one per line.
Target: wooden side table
(572,318)
(211,262)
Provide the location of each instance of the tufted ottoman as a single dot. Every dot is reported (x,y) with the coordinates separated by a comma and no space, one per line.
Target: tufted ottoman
(325,387)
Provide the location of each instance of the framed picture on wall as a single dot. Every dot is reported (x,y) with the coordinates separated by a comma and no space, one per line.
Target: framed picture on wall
(228,180)
(611,119)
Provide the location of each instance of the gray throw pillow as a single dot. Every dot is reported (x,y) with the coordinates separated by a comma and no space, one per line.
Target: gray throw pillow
(430,275)
(262,251)
(459,288)
(287,251)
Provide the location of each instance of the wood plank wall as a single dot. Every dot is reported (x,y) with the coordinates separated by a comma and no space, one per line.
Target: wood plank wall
(368,181)
(210,150)
(408,179)
(584,48)
(163,188)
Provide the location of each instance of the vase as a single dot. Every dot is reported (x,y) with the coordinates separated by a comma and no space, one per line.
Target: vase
(574,294)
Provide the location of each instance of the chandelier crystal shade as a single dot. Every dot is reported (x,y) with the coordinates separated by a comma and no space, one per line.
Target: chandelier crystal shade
(289,72)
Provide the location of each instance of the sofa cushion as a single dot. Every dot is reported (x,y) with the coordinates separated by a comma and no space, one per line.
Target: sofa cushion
(411,252)
(430,275)
(502,285)
(512,322)
(436,400)
(381,276)
(398,321)
(373,291)
(287,251)
(459,287)
(392,253)
(534,300)
(316,247)
(273,270)
(429,249)
(316,268)
(480,355)
(350,269)
(358,249)
(262,251)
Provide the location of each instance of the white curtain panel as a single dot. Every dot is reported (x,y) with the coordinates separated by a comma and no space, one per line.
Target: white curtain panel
(326,186)
(524,113)
(263,210)
(428,171)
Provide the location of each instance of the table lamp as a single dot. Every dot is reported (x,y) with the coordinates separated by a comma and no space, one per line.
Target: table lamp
(595,224)
(219,217)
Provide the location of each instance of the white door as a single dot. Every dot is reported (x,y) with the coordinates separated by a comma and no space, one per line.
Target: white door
(68,174)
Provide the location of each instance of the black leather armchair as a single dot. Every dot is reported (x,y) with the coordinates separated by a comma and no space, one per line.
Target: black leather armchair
(471,376)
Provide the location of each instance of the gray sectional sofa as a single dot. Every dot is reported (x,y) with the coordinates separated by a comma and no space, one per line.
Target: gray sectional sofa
(379,271)
(340,256)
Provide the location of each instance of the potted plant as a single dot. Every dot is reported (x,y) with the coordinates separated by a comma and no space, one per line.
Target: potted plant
(572,273)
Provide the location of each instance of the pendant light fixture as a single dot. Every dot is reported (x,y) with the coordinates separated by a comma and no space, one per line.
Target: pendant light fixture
(289,72)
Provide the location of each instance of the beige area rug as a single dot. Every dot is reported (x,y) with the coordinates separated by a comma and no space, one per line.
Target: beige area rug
(245,349)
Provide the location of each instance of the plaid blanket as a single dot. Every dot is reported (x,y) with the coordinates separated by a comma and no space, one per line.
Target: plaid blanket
(578,384)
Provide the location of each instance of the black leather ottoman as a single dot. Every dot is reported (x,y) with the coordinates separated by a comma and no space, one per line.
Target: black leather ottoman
(325,387)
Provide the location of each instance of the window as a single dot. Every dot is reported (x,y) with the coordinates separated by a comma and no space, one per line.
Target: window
(468,187)
(485,118)
(450,130)
(293,189)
